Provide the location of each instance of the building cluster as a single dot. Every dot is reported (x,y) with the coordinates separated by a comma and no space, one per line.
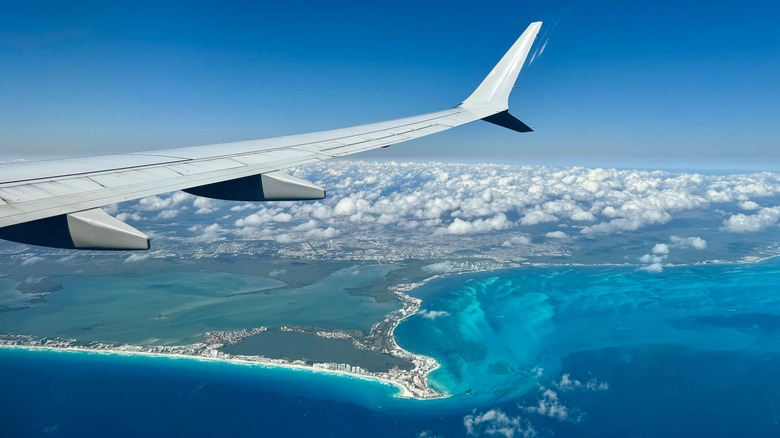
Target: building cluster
(230,337)
(341,367)
(380,339)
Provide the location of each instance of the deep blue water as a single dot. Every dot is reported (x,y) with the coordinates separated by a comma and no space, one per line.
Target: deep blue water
(691,351)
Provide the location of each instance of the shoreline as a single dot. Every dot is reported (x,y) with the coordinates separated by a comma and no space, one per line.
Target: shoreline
(403,391)
(411,384)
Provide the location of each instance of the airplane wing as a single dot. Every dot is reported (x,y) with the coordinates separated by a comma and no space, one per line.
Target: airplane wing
(56,203)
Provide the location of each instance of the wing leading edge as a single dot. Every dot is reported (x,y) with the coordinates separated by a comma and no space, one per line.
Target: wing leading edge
(57,203)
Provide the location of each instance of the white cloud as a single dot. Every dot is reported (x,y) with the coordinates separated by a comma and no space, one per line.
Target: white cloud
(322,233)
(496,423)
(653,268)
(764,218)
(284,238)
(535,217)
(688,242)
(242,207)
(454,202)
(263,217)
(277,272)
(167,214)
(157,203)
(133,216)
(654,262)
(345,207)
(648,258)
(517,241)
(660,248)
(583,216)
(556,235)
(749,205)
(204,205)
(498,222)
(207,233)
(111,209)
(568,384)
(433,314)
(548,405)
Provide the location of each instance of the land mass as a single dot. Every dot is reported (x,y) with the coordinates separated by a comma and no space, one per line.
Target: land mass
(408,371)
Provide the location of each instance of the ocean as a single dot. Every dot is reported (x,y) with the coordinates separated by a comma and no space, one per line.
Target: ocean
(544,351)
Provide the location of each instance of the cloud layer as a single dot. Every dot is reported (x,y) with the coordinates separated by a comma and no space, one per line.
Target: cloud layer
(449,203)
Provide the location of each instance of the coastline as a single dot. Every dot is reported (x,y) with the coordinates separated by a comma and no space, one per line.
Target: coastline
(403,391)
(411,384)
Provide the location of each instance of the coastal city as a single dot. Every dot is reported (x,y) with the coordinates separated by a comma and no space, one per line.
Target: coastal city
(411,383)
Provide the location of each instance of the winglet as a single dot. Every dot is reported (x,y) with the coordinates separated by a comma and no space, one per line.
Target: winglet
(508,121)
(495,88)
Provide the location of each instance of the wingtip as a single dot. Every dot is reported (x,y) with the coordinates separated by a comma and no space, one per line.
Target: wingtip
(495,88)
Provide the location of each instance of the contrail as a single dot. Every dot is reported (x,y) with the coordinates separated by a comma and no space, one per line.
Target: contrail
(543,46)
(533,56)
(546,38)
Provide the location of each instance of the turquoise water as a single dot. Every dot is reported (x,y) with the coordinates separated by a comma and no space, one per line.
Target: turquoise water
(585,351)
(178,308)
(508,331)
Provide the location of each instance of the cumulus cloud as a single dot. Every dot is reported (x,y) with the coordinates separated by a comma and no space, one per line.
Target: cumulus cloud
(548,405)
(582,216)
(310,234)
(242,207)
(556,235)
(568,384)
(167,214)
(517,241)
(208,233)
(125,216)
(688,242)
(660,248)
(535,217)
(648,258)
(204,205)
(263,217)
(742,223)
(495,422)
(653,268)
(451,202)
(749,205)
(322,233)
(158,203)
(277,272)
(285,238)
(497,222)
(433,314)
(654,262)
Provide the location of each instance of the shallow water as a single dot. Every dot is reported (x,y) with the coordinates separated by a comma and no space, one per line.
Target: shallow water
(692,351)
(178,308)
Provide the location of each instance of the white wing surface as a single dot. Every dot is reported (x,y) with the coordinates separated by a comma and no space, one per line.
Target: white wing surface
(57,203)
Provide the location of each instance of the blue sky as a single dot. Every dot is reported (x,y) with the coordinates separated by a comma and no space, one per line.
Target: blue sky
(627,84)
